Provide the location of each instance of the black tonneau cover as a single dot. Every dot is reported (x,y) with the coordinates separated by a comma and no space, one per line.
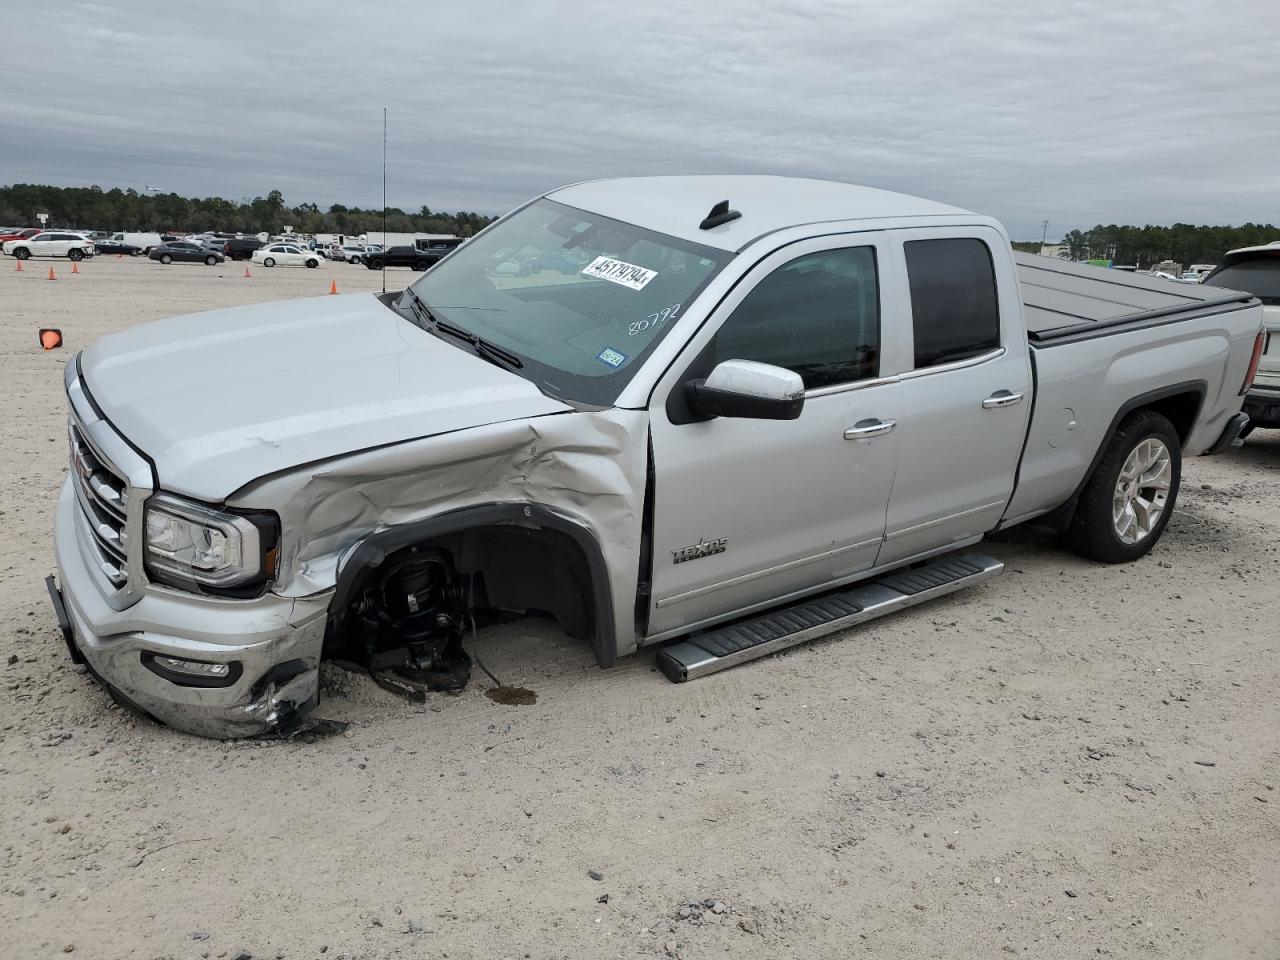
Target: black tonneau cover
(1073,301)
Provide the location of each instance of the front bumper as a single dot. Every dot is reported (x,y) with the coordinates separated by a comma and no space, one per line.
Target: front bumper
(275,640)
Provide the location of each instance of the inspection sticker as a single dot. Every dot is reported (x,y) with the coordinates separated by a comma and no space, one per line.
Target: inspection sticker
(620,272)
(612,357)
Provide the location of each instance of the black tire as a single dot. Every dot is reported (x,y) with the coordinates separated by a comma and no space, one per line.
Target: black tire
(75,254)
(166,259)
(211,261)
(22,253)
(312,264)
(421,265)
(134,253)
(1247,430)
(269,261)
(237,257)
(1093,528)
(375,263)
(355,260)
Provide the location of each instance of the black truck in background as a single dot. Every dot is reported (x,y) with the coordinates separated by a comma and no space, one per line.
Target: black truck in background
(421,255)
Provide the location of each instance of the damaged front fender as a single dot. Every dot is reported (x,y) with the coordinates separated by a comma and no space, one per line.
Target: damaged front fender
(585,470)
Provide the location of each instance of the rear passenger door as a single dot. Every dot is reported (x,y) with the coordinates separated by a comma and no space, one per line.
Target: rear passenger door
(966,398)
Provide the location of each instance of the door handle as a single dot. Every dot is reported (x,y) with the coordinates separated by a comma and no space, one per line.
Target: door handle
(1001,398)
(866,429)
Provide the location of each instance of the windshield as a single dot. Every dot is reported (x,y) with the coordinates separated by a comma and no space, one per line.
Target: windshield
(1259,276)
(581,299)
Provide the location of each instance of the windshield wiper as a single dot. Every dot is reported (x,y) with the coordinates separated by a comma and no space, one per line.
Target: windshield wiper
(483,348)
(495,354)
(420,309)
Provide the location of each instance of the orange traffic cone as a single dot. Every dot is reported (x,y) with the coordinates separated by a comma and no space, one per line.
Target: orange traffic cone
(333,286)
(50,338)
(52,275)
(246,271)
(75,267)
(19,266)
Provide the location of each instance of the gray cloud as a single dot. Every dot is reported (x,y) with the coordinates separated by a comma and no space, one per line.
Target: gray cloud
(1084,113)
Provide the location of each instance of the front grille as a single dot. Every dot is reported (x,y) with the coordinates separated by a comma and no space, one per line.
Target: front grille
(104,500)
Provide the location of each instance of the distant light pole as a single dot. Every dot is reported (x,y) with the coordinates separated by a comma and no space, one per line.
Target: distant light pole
(1045,234)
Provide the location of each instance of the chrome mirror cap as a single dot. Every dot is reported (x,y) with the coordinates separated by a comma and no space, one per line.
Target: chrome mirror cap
(748,378)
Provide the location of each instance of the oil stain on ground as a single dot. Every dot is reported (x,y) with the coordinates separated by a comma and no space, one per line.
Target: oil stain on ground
(512,696)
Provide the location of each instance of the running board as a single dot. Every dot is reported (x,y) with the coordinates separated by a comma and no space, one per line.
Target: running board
(776,630)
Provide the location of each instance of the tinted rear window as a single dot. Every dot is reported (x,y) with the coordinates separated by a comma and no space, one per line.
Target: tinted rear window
(953,300)
(1260,276)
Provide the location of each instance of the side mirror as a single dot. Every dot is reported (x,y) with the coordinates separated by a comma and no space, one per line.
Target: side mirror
(747,390)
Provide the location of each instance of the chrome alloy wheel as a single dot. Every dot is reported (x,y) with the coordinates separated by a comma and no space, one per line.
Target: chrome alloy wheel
(1142,490)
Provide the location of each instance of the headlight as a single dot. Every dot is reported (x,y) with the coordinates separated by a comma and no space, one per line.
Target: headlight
(190,545)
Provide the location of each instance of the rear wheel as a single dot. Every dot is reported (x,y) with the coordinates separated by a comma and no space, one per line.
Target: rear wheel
(237,257)
(1127,502)
(165,258)
(269,262)
(421,265)
(22,253)
(312,264)
(75,254)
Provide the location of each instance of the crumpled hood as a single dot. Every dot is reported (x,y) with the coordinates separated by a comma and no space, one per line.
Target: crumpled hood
(221,398)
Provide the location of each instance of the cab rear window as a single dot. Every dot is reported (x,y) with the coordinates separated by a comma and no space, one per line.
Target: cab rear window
(1259,276)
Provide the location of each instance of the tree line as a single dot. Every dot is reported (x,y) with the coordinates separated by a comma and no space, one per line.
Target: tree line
(92,208)
(1183,243)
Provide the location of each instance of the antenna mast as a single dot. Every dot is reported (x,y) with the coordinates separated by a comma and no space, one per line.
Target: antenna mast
(384,199)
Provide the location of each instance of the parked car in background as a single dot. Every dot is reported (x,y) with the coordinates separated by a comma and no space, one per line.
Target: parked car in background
(240,248)
(404,256)
(285,255)
(17,233)
(438,246)
(1256,270)
(143,241)
(51,243)
(351,253)
(115,246)
(184,251)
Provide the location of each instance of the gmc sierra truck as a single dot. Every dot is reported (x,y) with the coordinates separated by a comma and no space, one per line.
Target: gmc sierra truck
(720,414)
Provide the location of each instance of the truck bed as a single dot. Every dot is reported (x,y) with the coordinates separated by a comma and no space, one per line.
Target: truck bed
(1066,301)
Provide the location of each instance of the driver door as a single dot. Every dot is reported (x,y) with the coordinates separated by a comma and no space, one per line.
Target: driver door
(748,512)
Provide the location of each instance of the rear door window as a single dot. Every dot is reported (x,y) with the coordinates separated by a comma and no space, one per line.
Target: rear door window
(1259,276)
(954,310)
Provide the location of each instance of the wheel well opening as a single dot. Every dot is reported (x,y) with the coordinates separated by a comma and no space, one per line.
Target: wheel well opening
(422,597)
(1180,409)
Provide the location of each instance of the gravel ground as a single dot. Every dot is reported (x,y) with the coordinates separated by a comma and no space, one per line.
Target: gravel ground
(1071,761)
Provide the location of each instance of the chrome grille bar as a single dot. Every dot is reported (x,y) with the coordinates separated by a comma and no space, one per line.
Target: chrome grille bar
(104,500)
(111,482)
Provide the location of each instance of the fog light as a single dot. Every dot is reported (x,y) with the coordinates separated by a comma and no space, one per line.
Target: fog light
(194,668)
(192,673)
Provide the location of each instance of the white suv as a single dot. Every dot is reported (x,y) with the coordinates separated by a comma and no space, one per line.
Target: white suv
(51,243)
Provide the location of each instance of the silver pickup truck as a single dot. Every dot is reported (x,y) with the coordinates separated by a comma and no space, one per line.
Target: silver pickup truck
(651,412)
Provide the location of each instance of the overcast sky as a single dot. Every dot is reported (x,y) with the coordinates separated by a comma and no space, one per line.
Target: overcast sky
(1078,113)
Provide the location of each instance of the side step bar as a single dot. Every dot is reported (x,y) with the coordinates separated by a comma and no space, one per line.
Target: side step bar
(776,630)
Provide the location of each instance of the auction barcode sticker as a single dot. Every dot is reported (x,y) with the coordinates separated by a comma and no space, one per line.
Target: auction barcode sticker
(620,272)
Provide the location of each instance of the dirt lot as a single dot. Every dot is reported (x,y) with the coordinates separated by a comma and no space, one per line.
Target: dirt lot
(1072,761)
